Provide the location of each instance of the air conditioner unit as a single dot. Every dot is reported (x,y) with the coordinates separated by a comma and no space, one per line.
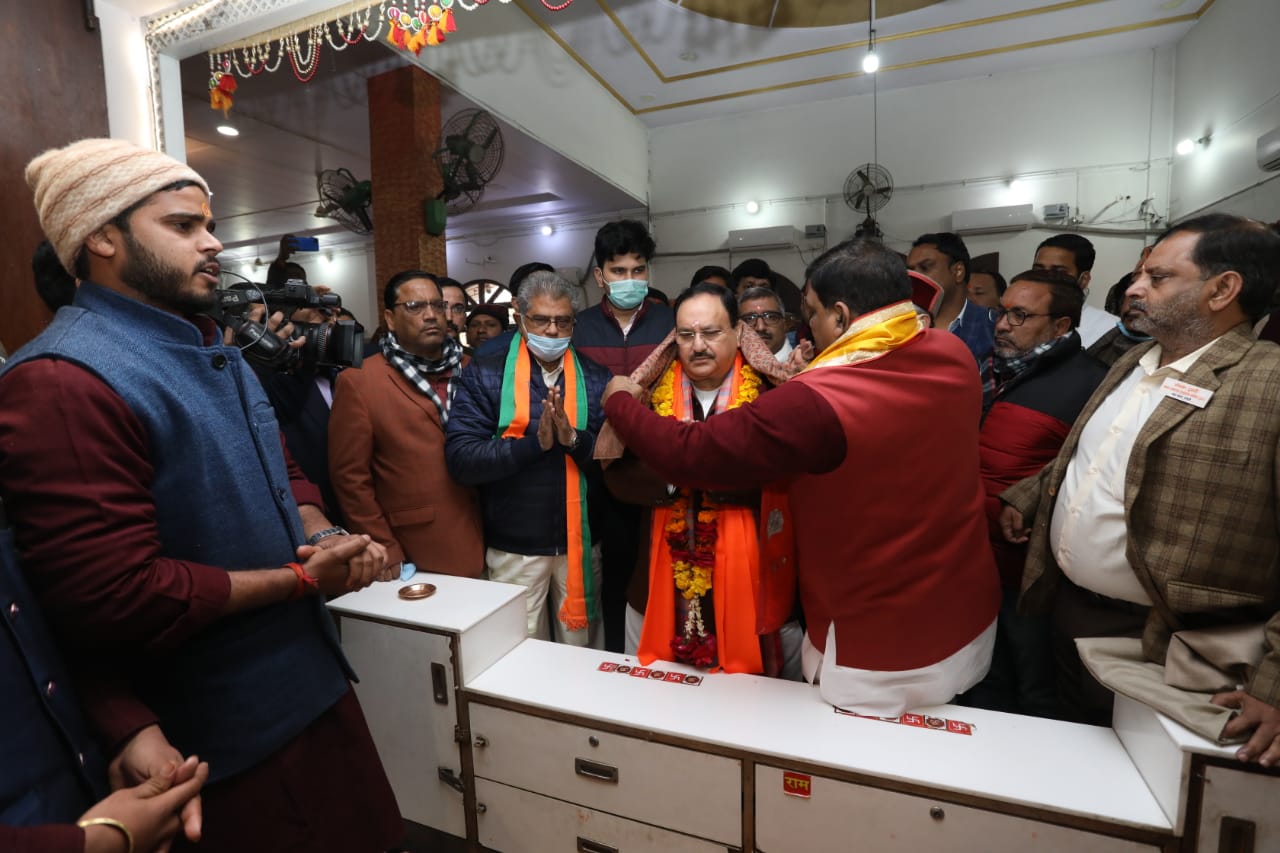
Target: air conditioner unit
(987,220)
(1269,151)
(774,237)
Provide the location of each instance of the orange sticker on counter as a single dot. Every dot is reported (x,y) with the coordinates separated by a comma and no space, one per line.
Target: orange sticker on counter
(796,784)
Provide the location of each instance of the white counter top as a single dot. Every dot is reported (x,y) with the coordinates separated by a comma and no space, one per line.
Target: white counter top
(457,605)
(1072,769)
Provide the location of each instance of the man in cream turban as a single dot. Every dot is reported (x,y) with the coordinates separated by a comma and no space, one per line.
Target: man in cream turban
(174,549)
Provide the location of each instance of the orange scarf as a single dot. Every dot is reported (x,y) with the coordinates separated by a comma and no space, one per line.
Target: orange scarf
(734,577)
(579,605)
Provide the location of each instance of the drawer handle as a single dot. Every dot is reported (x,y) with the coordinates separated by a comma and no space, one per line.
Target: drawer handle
(480,742)
(447,776)
(937,813)
(1236,835)
(595,770)
(439,685)
(586,845)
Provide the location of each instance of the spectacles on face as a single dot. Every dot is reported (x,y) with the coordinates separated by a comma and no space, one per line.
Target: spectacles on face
(541,322)
(413,309)
(458,309)
(771,318)
(1015,316)
(687,337)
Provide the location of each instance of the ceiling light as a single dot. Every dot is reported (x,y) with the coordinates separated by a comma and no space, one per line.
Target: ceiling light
(227,130)
(547,230)
(870,62)
(1185,147)
(753,207)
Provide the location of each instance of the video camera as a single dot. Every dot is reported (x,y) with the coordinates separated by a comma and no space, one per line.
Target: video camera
(339,344)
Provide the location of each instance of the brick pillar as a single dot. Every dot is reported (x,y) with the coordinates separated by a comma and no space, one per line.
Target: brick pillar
(404,130)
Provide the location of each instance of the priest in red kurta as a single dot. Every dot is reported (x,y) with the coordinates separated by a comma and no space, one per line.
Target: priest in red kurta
(877,444)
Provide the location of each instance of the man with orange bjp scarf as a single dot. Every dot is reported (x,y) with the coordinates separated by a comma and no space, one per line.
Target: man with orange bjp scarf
(897,582)
(522,430)
(696,592)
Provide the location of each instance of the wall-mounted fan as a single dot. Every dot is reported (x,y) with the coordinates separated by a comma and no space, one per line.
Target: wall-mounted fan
(867,189)
(470,154)
(345,199)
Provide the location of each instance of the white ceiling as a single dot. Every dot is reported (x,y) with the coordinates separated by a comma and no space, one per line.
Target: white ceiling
(662,62)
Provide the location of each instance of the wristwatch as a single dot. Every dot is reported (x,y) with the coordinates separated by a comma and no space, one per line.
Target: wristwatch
(573,445)
(325,534)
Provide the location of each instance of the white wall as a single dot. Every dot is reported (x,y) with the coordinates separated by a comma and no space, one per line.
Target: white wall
(1077,134)
(1227,84)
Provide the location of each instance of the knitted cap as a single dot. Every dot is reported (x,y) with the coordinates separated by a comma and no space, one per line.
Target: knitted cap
(83,186)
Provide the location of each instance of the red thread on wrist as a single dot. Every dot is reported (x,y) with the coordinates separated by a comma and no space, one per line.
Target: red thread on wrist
(305,580)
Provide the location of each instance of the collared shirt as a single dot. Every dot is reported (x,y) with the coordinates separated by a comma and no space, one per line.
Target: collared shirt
(783,354)
(1087,533)
(1094,323)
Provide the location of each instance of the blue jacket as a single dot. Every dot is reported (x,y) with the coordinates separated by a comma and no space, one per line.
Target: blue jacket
(522,487)
(251,682)
(975,327)
(49,770)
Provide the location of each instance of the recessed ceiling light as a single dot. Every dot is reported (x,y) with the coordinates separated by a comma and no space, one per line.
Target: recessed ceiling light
(547,230)
(227,130)
(753,207)
(1185,147)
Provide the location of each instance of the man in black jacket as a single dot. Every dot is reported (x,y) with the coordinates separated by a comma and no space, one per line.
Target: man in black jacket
(523,428)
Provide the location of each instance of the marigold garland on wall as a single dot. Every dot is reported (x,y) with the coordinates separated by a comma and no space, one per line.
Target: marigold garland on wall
(410,25)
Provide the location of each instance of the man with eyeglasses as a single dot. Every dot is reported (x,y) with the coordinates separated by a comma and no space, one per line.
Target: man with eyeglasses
(1043,378)
(761,309)
(524,430)
(387,438)
(898,586)
(670,615)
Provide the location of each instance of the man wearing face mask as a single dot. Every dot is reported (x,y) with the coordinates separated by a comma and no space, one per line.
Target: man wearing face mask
(620,333)
(523,431)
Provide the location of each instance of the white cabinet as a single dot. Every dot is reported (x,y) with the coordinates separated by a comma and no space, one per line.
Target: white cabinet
(410,657)
(1239,811)
(687,791)
(515,821)
(840,815)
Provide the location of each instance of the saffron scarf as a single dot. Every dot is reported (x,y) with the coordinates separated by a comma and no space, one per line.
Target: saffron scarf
(736,571)
(871,336)
(579,606)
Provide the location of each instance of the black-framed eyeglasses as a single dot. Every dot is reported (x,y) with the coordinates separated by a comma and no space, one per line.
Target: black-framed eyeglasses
(540,322)
(771,318)
(413,309)
(1015,316)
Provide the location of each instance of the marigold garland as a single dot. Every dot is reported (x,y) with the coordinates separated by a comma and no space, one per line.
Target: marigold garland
(693,558)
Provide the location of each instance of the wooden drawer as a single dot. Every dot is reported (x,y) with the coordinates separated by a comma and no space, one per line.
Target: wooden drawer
(516,821)
(690,792)
(843,816)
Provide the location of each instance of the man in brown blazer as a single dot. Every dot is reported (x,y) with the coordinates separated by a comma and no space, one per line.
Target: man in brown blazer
(1161,512)
(386,439)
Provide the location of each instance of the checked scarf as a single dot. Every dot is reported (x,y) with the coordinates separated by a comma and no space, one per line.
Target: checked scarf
(416,369)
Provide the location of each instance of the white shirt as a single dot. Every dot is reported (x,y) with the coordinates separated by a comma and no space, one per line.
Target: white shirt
(1087,532)
(782,354)
(1094,323)
(889,694)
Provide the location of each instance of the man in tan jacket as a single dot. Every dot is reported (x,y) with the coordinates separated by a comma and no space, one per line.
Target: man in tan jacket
(386,439)
(1161,511)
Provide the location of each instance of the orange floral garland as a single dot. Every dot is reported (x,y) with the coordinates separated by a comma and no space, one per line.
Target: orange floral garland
(692,564)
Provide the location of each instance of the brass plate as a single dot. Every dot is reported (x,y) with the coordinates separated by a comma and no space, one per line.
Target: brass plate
(414,591)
